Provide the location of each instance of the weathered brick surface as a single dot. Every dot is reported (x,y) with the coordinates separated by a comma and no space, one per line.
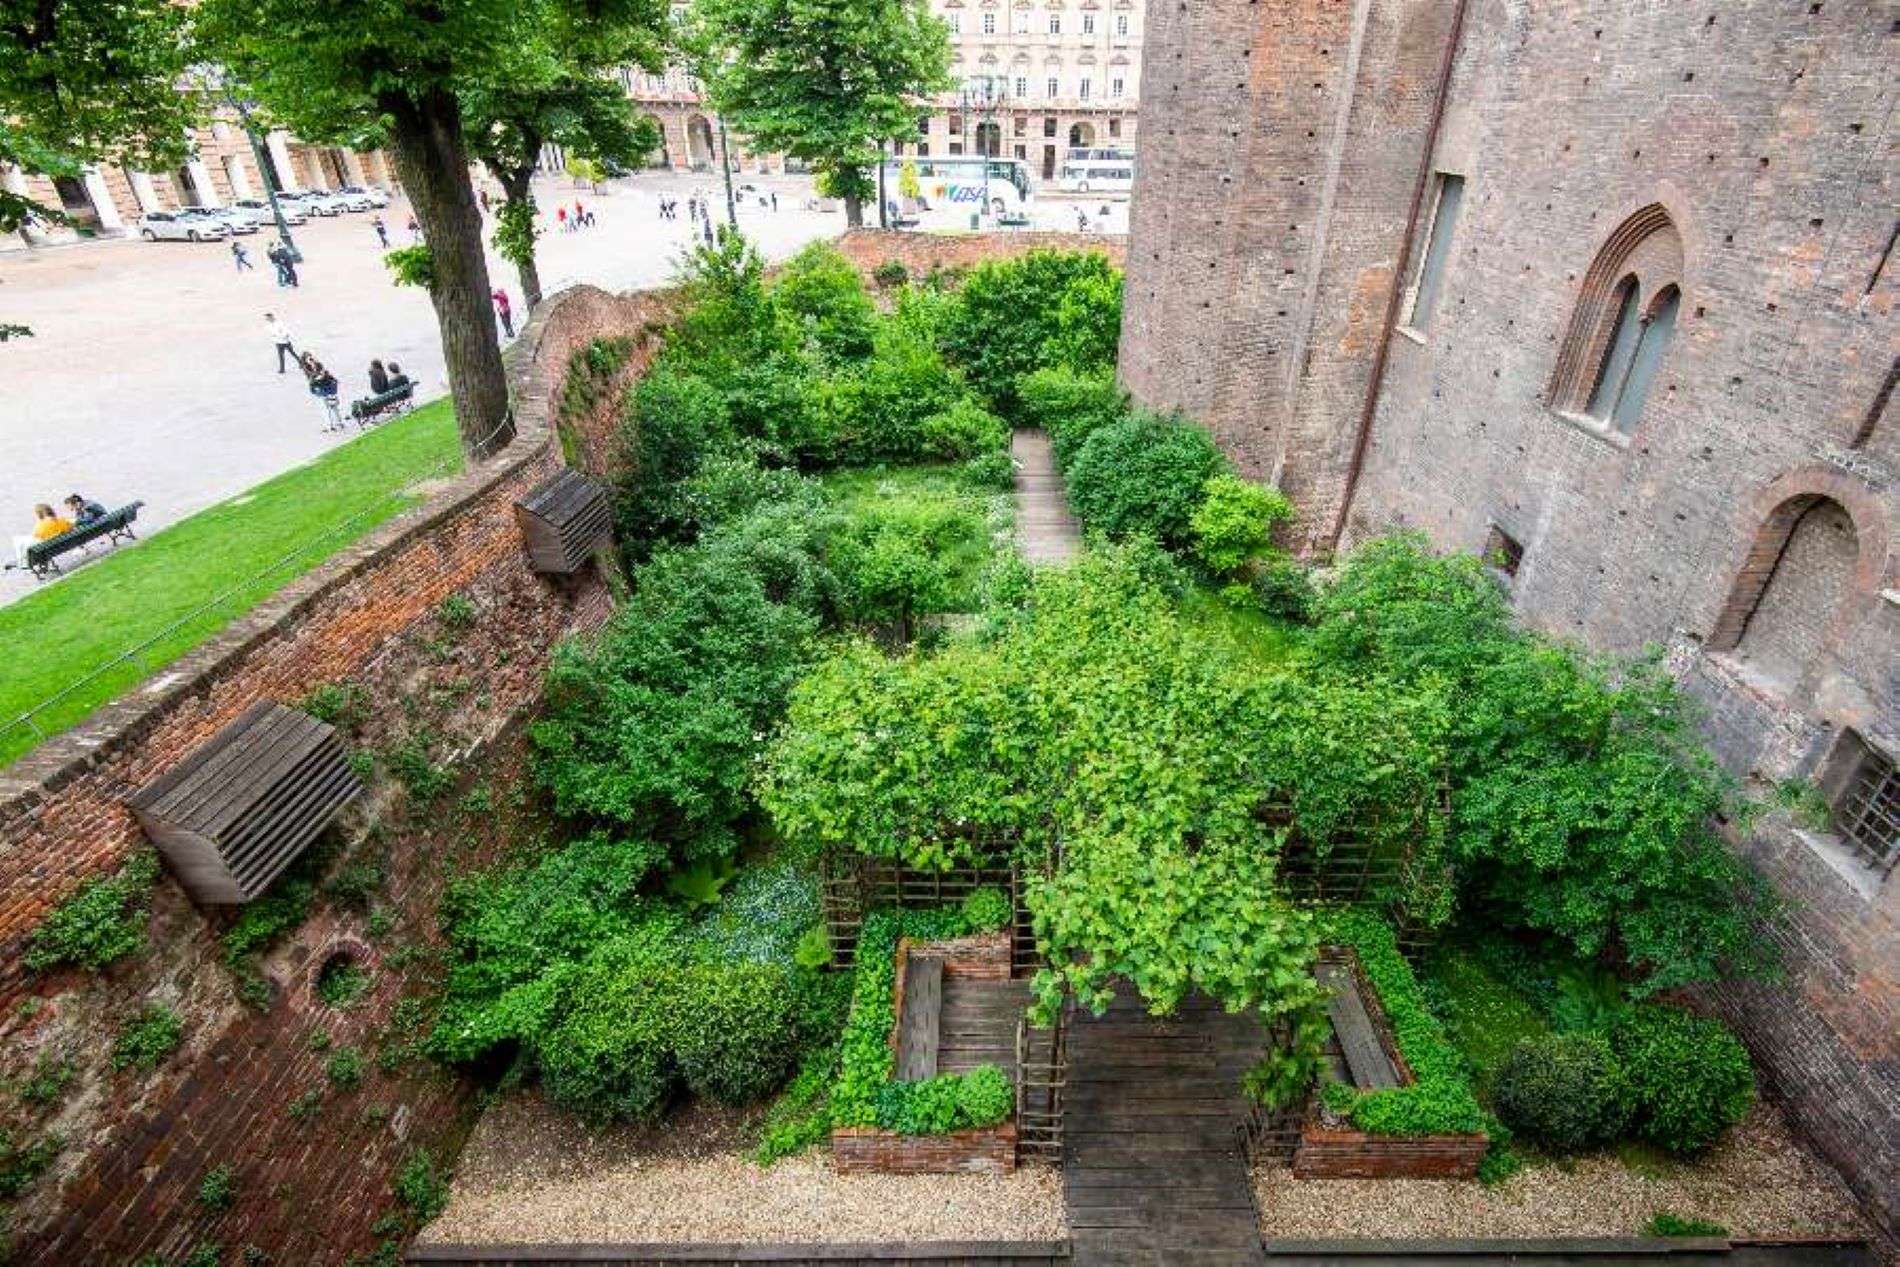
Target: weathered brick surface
(866,1150)
(1281,146)
(1342,1154)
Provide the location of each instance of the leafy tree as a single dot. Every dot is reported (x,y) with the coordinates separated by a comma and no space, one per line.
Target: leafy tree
(358,70)
(821,80)
(1145,476)
(1041,309)
(571,103)
(1234,523)
(83,82)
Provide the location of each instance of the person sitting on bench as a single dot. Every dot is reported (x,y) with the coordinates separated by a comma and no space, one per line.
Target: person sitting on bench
(378,378)
(396,377)
(84,512)
(46,526)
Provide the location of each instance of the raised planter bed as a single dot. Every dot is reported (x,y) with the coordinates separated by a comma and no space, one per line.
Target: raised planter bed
(986,1150)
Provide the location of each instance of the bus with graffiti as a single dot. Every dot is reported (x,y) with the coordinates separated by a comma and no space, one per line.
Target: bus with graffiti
(945,193)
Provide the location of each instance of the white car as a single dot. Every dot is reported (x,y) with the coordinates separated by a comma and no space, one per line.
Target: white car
(176,227)
(325,203)
(234,221)
(311,203)
(369,197)
(259,209)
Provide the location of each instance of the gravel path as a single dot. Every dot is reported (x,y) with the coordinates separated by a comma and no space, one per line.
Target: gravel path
(533,1174)
(1759,1182)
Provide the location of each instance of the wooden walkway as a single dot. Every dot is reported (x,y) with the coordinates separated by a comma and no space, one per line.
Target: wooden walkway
(1045,530)
(1153,1173)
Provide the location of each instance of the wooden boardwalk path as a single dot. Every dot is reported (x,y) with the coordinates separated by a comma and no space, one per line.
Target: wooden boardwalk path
(1153,1173)
(1045,530)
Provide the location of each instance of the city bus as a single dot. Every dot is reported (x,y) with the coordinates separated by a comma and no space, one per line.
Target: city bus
(944,193)
(1097,171)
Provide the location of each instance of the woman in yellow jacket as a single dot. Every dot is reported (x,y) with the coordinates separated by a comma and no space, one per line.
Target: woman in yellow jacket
(46,525)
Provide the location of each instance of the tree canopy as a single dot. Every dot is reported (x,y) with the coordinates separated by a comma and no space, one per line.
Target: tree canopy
(821,80)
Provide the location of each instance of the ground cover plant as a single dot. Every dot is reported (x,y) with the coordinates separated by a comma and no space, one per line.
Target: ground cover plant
(274,533)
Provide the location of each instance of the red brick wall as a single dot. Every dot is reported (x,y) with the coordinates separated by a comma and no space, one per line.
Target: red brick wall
(137,1146)
(921,252)
(859,1150)
(1328,1154)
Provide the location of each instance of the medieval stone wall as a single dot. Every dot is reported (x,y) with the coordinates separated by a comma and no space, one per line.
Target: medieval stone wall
(1741,152)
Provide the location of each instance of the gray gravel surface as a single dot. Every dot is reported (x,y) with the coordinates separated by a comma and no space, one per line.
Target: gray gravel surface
(532,1174)
(1757,1183)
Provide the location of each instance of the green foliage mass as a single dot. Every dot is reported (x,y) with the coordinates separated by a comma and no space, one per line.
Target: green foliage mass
(1563,1092)
(1583,804)
(1233,525)
(149,1039)
(1439,1099)
(420,1187)
(820,290)
(102,921)
(1070,406)
(1040,309)
(867,1093)
(1688,1078)
(1669,1223)
(1143,476)
(986,910)
(217,1191)
(22,1161)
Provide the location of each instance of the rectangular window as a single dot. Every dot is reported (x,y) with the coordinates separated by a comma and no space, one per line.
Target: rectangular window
(1502,551)
(1085,89)
(1022,125)
(1115,127)
(1055,24)
(923,149)
(923,125)
(1088,24)
(956,147)
(956,125)
(956,24)
(1115,87)
(989,24)
(1121,24)
(1022,151)
(1049,125)
(1051,93)
(1431,269)
(1867,813)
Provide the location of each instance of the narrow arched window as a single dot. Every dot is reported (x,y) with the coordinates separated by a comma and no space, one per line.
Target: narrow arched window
(1618,354)
(1659,328)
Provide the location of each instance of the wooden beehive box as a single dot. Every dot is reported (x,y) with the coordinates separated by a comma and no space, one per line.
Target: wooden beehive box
(231,816)
(562,521)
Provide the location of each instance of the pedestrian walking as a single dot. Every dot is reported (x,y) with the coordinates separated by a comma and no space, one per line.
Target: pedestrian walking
(415,231)
(775,201)
(560,217)
(484,202)
(505,312)
(280,339)
(286,263)
(692,207)
(382,231)
(242,258)
(323,386)
(580,214)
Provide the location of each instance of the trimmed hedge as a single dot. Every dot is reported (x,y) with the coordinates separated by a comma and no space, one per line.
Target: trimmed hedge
(866,1094)
(1688,1078)
(1440,1099)
(1564,1091)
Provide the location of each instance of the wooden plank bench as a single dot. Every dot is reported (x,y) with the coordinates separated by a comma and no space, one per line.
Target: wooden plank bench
(42,558)
(1366,1058)
(919,1029)
(382,405)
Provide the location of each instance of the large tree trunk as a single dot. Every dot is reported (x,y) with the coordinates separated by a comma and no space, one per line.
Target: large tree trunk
(427,135)
(853,211)
(519,188)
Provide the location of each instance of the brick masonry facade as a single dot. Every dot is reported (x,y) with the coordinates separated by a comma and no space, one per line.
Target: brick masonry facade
(1744,521)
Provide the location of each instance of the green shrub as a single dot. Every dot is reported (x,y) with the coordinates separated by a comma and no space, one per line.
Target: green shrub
(1070,406)
(102,921)
(673,419)
(344,1069)
(357,882)
(1041,308)
(217,1191)
(1563,1091)
(877,410)
(1234,523)
(991,472)
(801,1116)
(1283,589)
(1689,1078)
(986,910)
(412,763)
(21,1162)
(345,705)
(1143,476)
(48,1080)
(456,612)
(821,290)
(963,430)
(152,1036)
(891,274)
(341,983)
(985,1097)
(1668,1223)
(420,1187)
(892,560)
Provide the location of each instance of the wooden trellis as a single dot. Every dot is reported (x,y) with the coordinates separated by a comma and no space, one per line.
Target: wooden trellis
(854,884)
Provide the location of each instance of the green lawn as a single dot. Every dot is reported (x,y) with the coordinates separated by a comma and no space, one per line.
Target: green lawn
(251,546)
(1484,1015)
(1259,639)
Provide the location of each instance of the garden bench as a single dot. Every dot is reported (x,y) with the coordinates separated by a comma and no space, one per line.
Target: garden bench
(42,558)
(382,405)
(1366,1059)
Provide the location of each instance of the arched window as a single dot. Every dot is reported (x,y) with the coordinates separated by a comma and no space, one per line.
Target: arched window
(1799,570)
(1625,320)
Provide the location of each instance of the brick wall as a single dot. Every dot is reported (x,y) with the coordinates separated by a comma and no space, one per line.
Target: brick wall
(1346,1154)
(864,1150)
(1267,234)
(136,1146)
(921,252)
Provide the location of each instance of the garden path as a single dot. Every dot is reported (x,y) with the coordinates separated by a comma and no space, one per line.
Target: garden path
(1045,530)
(1153,1173)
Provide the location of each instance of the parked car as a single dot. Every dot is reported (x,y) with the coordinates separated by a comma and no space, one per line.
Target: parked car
(326,203)
(233,220)
(312,203)
(375,197)
(174,226)
(260,208)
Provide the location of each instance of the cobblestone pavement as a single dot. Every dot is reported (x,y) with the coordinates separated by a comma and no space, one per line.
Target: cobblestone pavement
(150,376)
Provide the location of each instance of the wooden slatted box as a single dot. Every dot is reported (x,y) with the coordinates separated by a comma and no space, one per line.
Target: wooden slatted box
(562,520)
(231,816)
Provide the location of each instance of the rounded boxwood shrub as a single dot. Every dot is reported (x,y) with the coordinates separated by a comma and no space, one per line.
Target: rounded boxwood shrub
(1143,476)
(1562,1091)
(984,1097)
(1689,1078)
(986,910)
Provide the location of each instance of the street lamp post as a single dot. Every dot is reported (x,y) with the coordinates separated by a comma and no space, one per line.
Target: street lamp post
(216,79)
(725,164)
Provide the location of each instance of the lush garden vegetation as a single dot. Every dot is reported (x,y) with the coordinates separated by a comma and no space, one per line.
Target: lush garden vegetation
(815,484)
